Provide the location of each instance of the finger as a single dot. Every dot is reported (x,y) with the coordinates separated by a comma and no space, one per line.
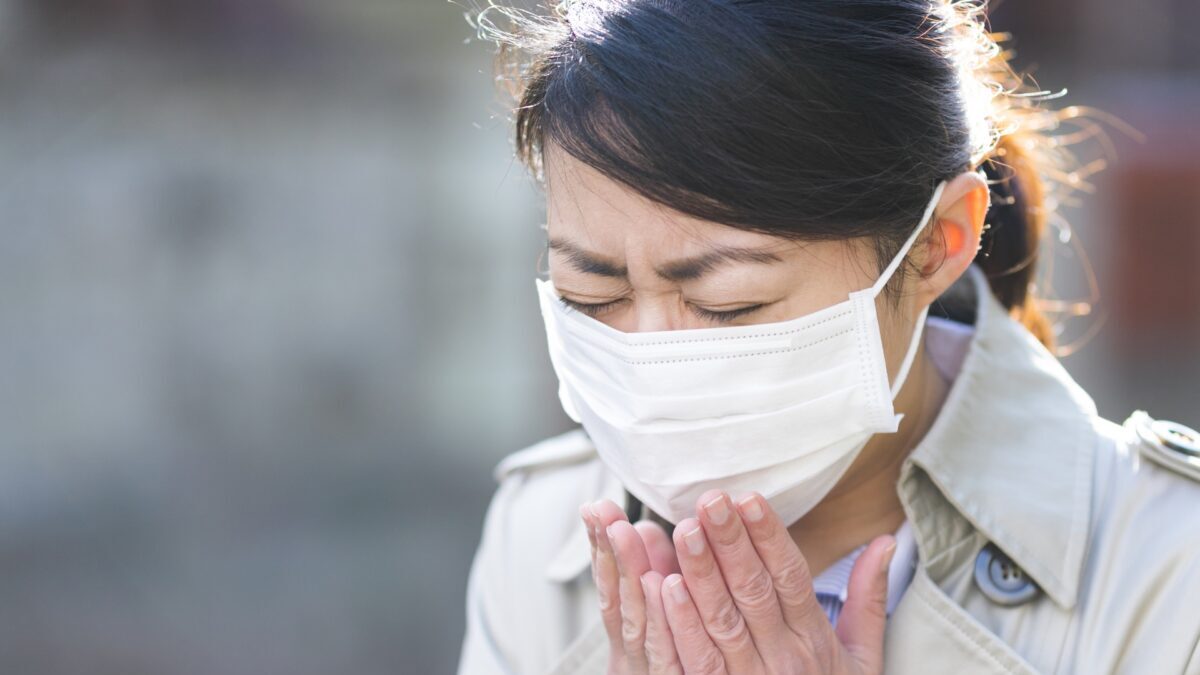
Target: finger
(589,526)
(746,577)
(788,568)
(604,571)
(632,563)
(585,514)
(658,547)
(706,587)
(697,653)
(660,648)
(863,618)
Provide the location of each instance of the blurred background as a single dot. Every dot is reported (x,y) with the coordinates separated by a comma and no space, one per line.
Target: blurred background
(267,317)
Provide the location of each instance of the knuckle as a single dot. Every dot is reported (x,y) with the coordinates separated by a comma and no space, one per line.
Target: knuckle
(607,605)
(692,634)
(723,536)
(794,577)
(726,625)
(659,657)
(820,645)
(876,610)
(607,599)
(710,663)
(754,591)
(633,631)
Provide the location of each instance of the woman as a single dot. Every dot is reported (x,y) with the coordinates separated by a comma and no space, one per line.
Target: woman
(791,251)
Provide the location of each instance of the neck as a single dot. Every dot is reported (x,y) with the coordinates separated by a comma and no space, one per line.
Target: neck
(864,504)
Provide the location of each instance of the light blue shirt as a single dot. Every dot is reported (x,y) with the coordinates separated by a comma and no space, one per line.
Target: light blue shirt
(831,584)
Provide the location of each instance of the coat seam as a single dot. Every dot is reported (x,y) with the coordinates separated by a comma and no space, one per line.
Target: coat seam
(950,620)
(1193,663)
(1083,484)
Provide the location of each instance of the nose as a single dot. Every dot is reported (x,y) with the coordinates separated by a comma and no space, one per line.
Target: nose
(657,313)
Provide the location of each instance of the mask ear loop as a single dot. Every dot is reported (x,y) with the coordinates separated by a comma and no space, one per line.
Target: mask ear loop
(887,275)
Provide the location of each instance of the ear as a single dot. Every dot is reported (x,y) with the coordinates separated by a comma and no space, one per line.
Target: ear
(954,236)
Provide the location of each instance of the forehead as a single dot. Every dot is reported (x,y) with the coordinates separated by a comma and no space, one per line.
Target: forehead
(588,207)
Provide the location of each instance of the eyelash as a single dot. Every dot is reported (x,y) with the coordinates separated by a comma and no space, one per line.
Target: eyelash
(598,308)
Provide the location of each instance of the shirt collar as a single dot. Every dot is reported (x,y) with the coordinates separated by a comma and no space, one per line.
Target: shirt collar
(835,579)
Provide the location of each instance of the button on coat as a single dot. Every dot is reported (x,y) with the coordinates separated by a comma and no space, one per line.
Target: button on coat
(1002,580)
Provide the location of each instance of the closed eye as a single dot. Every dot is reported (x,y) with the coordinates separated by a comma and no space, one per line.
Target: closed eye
(599,308)
(591,308)
(727,315)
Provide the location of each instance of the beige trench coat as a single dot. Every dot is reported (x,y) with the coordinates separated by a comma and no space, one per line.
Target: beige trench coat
(1101,521)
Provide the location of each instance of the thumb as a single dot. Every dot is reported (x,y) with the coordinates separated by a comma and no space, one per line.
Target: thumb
(863,618)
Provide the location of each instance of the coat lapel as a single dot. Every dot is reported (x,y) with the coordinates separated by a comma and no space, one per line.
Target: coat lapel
(928,634)
(1010,451)
(1008,460)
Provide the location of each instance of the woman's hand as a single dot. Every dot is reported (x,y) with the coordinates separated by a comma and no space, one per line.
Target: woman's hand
(632,555)
(743,602)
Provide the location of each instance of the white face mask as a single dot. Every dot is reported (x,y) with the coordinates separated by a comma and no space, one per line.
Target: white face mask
(780,408)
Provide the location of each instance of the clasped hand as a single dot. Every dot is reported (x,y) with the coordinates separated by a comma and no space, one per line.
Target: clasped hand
(731,595)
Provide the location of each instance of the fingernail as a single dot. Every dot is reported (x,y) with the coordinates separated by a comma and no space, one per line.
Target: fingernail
(694,541)
(587,525)
(888,554)
(716,510)
(751,509)
(612,546)
(676,590)
(589,517)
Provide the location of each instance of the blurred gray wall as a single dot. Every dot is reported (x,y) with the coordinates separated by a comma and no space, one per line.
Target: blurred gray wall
(267,320)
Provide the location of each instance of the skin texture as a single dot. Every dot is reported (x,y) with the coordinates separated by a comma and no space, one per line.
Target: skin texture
(747,601)
(731,594)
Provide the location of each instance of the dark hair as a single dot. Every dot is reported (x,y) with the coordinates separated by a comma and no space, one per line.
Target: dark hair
(816,119)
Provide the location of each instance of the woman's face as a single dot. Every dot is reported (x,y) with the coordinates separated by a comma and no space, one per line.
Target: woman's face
(638,266)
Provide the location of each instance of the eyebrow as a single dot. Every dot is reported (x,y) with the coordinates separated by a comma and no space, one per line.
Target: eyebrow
(677,270)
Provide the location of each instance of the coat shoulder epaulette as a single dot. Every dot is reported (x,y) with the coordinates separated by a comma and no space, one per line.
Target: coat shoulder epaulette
(567,448)
(1169,444)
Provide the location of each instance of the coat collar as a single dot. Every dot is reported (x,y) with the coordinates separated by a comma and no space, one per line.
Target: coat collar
(1010,450)
(574,556)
